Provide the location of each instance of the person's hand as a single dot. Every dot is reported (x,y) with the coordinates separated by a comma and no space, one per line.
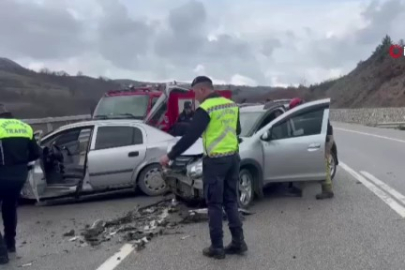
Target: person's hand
(164,160)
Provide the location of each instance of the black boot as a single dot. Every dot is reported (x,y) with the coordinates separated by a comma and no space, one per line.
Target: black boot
(3,252)
(238,244)
(326,193)
(236,248)
(10,246)
(216,253)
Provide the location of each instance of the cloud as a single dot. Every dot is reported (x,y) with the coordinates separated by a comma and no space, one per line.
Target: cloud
(233,41)
(39,31)
(122,40)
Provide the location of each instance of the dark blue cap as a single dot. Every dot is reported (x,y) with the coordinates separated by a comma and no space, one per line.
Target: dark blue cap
(201,79)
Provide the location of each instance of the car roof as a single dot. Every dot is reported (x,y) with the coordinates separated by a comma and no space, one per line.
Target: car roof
(104,122)
(253,108)
(261,108)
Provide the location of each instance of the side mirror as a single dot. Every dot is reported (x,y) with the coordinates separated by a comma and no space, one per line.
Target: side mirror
(298,132)
(38,135)
(266,136)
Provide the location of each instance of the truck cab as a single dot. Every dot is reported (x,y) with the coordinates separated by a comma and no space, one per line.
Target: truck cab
(132,103)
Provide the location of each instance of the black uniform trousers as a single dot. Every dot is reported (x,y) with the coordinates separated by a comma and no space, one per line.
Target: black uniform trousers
(12,180)
(220,180)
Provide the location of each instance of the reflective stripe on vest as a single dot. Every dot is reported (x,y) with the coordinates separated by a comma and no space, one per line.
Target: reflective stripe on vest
(13,128)
(220,138)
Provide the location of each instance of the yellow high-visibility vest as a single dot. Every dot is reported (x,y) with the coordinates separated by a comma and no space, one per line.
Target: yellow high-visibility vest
(220,138)
(13,128)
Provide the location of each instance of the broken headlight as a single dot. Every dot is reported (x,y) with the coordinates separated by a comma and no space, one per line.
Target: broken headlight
(195,170)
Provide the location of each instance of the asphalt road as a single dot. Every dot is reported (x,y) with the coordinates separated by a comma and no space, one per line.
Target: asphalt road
(361,228)
(380,152)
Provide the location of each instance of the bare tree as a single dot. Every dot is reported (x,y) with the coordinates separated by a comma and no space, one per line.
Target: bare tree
(45,71)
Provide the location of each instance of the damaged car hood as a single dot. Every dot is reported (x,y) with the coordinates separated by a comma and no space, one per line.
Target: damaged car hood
(196,149)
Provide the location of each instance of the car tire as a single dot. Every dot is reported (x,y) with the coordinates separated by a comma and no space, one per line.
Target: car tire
(333,165)
(245,189)
(150,181)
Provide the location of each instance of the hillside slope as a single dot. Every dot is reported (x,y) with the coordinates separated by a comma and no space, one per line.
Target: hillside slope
(378,81)
(34,94)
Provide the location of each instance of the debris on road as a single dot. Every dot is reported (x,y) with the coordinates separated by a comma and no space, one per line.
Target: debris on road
(26,265)
(142,224)
(69,233)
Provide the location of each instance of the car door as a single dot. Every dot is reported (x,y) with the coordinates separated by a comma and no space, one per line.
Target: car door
(73,143)
(115,153)
(36,181)
(295,150)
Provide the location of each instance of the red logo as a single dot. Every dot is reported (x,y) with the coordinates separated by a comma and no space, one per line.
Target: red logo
(396,51)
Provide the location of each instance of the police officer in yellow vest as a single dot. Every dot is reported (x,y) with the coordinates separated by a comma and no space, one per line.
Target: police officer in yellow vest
(17,149)
(217,121)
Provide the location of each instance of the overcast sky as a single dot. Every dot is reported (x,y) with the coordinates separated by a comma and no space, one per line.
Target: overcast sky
(266,42)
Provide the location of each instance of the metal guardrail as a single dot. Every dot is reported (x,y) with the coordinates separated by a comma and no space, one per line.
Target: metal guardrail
(390,124)
(50,123)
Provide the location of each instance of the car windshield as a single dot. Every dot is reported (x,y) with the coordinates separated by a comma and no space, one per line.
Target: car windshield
(122,107)
(247,120)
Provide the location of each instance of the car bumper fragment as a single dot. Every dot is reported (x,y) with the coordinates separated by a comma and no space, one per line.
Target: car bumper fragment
(184,186)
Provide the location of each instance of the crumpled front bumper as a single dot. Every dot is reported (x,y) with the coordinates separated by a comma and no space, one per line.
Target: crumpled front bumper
(183,185)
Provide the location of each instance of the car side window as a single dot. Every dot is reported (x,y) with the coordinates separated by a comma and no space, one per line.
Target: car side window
(67,137)
(305,124)
(270,117)
(281,130)
(111,137)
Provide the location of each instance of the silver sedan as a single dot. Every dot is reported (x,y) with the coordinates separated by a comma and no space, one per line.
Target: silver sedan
(98,156)
(276,146)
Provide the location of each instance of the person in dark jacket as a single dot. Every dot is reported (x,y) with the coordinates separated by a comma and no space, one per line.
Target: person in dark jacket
(17,148)
(183,121)
(187,114)
(217,121)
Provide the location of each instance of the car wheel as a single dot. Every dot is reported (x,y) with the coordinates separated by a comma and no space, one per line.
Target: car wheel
(245,188)
(151,182)
(332,162)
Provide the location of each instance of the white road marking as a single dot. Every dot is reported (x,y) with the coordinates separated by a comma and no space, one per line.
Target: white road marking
(384,186)
(369,134)
(117,258)
(373,188)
